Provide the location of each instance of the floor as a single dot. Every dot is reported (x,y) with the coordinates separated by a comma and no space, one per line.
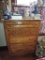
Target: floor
(4,56)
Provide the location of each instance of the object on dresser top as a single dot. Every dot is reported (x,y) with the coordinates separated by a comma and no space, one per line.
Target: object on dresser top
(38,16)
(7,15)
(16,16)
(35,16)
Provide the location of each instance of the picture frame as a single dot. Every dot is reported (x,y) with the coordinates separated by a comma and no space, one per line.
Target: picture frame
(21,11)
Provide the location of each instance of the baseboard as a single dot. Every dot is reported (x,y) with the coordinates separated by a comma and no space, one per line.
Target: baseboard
(3,48)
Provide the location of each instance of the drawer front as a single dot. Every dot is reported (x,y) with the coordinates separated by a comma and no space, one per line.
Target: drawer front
(13,24)
(31,39)
(22,49)
(22,22)
(22,45)
(23,32)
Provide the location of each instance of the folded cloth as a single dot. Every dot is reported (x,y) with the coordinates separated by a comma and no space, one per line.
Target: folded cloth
(41,58)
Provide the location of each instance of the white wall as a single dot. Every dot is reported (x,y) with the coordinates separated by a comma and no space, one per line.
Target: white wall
(2,35)
(27,3)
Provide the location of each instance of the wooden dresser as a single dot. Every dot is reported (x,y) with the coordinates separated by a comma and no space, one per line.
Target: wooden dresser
(21,36)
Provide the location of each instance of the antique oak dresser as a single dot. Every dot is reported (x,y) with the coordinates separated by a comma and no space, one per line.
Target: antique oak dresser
(21,36)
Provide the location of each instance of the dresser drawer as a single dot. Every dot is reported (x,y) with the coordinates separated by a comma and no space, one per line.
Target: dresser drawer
(31,39)
(28,23)
(22,45)
(23,31)
(22,49)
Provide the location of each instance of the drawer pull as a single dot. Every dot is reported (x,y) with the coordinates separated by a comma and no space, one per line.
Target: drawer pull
(19,22)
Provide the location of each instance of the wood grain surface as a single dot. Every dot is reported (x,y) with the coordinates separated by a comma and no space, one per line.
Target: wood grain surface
(22,36)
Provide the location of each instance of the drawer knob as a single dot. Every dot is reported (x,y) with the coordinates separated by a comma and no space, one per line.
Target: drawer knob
(19,22)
